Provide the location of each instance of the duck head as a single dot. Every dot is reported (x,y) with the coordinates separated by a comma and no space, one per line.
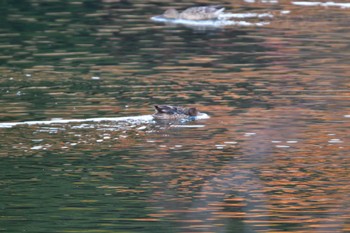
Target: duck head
(171,13)
(192,111)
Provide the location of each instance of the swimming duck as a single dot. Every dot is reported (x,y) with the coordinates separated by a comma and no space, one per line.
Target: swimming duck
(167,112)
(195,13)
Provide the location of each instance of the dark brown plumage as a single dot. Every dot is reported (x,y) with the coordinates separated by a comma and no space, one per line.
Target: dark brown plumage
(173,112)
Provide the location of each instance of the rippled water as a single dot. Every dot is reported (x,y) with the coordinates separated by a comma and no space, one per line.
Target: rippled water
(81,153)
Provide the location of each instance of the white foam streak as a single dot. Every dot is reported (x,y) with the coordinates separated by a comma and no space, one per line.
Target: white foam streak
(222,22)
(244,15)
(144,118)
(187,126)
(131,119)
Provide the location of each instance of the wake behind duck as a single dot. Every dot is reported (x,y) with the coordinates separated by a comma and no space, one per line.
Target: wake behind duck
(163,112)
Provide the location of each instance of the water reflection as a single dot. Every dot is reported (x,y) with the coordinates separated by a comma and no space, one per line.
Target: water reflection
(273,156)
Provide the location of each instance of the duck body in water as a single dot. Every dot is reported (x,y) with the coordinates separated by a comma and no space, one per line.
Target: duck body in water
(168,112)
(195,13)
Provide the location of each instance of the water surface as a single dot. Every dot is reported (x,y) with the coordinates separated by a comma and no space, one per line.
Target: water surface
(272,157)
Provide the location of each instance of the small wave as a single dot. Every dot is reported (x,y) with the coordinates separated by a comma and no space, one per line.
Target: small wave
(202,116)
(324,4)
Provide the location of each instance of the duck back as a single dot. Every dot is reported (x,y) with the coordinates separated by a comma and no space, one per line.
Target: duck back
(201,13)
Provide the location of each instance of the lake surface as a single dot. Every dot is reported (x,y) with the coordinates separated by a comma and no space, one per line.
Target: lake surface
(81,153)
